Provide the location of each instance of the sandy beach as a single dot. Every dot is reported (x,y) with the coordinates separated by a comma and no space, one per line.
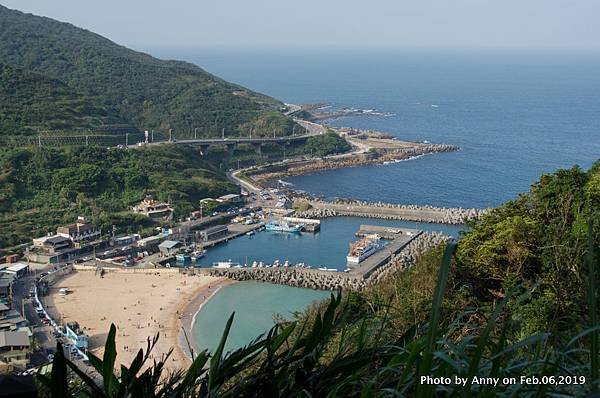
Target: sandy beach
(139,304)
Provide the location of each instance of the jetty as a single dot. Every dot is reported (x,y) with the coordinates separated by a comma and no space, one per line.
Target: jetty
(430,214)
(399,238)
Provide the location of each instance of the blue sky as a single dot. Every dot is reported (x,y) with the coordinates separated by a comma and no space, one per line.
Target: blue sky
(464,24)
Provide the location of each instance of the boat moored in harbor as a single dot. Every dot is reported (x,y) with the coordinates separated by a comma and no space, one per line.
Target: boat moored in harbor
(283,226)
(364,248)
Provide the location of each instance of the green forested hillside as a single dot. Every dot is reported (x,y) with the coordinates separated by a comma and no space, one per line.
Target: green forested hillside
(144,91)
(31,102)
(41,188)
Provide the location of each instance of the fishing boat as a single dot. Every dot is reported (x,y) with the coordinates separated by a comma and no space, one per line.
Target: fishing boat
(225,264)
(182,257)
(282,226)
(364,248)
(197,255)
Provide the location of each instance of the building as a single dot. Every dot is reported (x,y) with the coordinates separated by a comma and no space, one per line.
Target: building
(232,198)
(151,241)
(154,209)
(74,333)
(80,231)
(17,269)
(215,232)
(169,247)
(125,240)
(14,348)
(11,319)
(52,244)
(6,286)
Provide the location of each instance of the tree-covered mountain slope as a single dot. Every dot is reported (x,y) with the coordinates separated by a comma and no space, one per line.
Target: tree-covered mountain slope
(31,102)
(146,92)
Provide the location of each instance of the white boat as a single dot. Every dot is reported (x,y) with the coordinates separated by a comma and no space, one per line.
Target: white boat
(225,264)
(250,233)
(197,255)
(363,248)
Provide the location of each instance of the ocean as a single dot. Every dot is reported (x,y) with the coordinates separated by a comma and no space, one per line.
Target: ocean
(514,115)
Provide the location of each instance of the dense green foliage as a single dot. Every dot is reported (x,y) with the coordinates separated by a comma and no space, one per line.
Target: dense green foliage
(41,188)
(31,102)
(146,92)
(326,144)
(540,240)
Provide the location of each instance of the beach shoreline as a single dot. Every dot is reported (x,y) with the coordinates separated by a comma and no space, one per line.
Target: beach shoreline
(141,304)
(186,317)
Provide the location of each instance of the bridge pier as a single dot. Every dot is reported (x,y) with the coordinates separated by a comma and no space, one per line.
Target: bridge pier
(258,148)
(204,149)
(229,148)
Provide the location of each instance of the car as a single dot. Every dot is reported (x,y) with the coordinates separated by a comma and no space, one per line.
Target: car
(51,357)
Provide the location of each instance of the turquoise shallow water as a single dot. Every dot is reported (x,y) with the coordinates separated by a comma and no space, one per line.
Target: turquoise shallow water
(254,304)
(327,248)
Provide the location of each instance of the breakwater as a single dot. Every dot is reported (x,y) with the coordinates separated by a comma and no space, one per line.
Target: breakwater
(376,156)
(328,280)
(443,215)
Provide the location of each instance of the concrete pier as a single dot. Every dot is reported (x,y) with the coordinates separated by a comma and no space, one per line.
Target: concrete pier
(398,242)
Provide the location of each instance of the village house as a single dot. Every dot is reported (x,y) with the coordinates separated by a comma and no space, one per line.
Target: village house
(6,287)
(169,248)
(80,231)
(215,232)
(11,319)
(154,209)
(14,348)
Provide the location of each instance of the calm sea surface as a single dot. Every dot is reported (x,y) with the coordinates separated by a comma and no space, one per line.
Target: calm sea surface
(327,248)
(514,115)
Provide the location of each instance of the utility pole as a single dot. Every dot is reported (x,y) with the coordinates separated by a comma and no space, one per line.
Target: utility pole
(251,133)
(152,133)
(223,133)
(238,164)
(195,133)
(170,135)
(126,139)
(273,133)
(39,140)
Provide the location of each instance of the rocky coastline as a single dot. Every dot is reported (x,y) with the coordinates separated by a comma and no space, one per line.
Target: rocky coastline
(317,208)
(379,156)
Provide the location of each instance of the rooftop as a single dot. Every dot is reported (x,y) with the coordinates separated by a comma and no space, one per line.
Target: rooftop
(168,244)
(216,228)
(14,339)
(16,267)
